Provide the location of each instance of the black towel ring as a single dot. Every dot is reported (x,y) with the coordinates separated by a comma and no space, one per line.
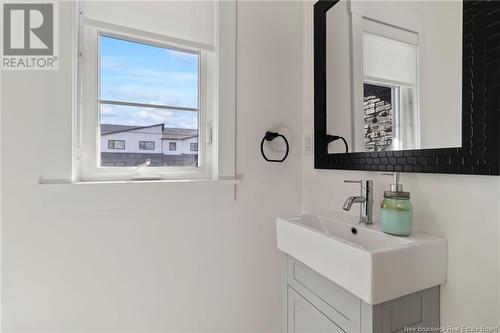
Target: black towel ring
(331,138)
(270,136)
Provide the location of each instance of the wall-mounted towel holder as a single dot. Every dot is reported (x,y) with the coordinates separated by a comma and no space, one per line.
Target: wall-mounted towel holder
(331,138)
(270,136)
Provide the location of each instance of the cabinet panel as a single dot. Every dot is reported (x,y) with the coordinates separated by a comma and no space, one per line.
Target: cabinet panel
(301,276)
(303,317)
(420,309)
(345,307)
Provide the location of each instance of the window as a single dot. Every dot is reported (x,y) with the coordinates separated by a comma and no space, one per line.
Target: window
(116,144)
(146,145)
(147,88)
(148,91)
(194,147)
(388,55)
(391,78)
(172,146)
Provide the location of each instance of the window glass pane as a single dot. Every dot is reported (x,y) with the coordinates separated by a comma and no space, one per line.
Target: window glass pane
(146,74)
(116,144)
(146,133)
(146,145)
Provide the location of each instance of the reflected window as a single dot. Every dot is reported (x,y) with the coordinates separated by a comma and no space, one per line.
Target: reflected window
(390,87)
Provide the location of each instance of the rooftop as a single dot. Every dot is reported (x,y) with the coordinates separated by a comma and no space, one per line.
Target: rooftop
(168,132)
(179,133)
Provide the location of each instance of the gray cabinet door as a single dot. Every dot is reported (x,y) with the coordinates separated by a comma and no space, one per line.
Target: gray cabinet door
(336,303)
(304,317)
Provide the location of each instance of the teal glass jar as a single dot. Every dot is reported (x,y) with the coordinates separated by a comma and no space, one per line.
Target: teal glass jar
(396,213)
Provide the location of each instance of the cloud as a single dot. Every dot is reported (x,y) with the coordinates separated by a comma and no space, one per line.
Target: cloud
(125,82)
(106,110)
(113,63)
(127,115)
(141,94)
(125,70)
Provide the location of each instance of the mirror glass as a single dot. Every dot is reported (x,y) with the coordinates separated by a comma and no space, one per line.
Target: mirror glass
(394,75)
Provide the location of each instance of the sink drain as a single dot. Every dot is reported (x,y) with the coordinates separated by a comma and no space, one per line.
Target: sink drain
(354,231)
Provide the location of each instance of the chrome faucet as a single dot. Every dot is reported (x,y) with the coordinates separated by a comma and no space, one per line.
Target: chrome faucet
(365,200)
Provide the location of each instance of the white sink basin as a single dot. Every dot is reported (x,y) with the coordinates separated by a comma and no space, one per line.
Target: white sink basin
(372,265)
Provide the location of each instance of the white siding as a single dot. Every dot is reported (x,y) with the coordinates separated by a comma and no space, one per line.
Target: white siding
(166,150)
(132,139)
(186,146)
(182,146)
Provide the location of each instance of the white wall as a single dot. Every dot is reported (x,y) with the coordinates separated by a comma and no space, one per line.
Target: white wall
(441,73)
(338,76)
(108,257)
(465,209)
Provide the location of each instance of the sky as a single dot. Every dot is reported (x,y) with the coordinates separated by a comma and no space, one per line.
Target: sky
(133,72)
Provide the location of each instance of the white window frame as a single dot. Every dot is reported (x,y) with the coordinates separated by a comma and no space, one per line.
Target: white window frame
(90,151)
(217,104)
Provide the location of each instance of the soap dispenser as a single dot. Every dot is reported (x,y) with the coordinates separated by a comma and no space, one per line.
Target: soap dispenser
(396,211)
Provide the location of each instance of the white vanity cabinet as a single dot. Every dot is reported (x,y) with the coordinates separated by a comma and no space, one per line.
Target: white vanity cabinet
(316,304)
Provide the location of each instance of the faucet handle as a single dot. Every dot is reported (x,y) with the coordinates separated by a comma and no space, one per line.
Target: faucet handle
(366,184)
(362,181)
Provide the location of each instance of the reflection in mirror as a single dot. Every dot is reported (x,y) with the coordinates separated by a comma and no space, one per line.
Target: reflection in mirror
(393,75)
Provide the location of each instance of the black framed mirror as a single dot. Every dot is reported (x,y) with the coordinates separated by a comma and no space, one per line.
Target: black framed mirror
(385,121)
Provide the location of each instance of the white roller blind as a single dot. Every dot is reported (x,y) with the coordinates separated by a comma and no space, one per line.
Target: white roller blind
(189,20)
(389,59)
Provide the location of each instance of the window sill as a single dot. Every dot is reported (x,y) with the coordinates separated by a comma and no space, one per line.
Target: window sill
(77,194)
(223,181)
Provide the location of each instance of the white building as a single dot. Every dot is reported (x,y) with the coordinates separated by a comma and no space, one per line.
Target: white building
(177,141)
(154,139)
